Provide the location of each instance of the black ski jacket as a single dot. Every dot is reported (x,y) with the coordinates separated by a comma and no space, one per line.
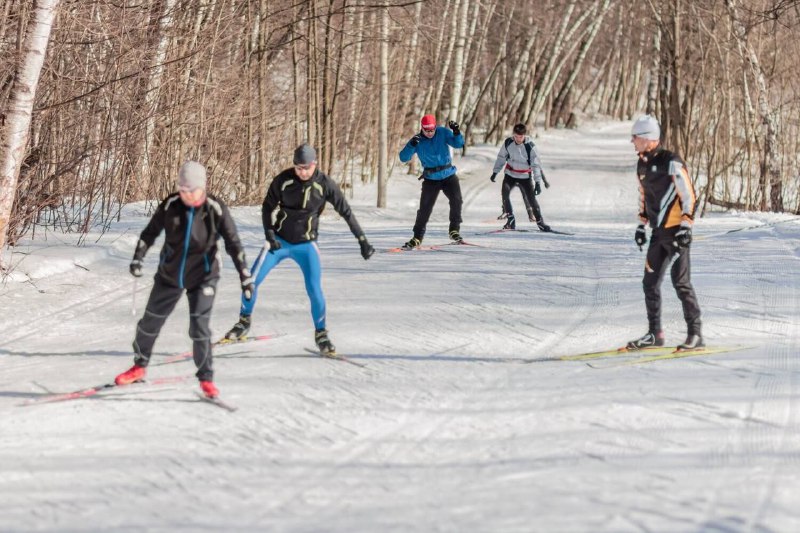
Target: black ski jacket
(666,192)
(190,256)
(299,204)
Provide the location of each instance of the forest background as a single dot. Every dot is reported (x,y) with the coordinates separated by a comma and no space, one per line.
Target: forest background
(102,100)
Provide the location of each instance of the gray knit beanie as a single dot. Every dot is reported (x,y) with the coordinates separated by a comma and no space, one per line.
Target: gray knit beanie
(192,175)
(646,127)
(304,154)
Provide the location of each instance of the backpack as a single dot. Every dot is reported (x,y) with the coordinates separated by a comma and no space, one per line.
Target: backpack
(528,147)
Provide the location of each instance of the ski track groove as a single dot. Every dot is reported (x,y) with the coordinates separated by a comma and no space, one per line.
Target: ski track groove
(747,439)
(72,311)
(784,359)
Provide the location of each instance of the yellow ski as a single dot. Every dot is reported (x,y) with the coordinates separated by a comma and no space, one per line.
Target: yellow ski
(675,354)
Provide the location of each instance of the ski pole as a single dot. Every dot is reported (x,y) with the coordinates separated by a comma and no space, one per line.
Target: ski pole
(133,300)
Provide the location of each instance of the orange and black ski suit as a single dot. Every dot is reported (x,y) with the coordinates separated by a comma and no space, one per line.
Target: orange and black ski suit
(667,199)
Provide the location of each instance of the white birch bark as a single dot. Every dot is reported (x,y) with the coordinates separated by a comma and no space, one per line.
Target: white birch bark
(439,44)
(458,62)
(448,57)
(19,111)
(547,78)
(383,141)
(357,28)
(153,89)
(585,46)
(771,161)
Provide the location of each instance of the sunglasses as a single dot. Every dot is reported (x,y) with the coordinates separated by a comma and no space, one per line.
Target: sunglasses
(428,130)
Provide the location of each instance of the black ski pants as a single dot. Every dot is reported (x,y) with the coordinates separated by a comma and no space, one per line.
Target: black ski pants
(528,195)
(162,301)
(430,191)
(660,253)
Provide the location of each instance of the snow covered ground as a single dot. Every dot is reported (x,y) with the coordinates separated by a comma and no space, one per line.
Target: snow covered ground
(447,428)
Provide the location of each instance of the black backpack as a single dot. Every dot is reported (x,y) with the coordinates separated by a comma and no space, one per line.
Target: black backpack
(528,147)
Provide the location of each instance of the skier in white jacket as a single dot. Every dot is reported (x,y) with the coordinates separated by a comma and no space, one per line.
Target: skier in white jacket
(523,169)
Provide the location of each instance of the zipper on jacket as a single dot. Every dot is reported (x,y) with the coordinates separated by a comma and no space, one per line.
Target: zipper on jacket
(186,239)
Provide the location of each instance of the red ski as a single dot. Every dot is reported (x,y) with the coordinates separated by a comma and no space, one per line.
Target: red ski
(222,342)
(93,391)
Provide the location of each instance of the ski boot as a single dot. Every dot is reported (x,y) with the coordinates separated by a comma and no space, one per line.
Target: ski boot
(240,329)
(209,389)
(456,237)
(542,226)
(133,374)
(324,344)
(693,342)
(413,243)
(511,223)
(648,340)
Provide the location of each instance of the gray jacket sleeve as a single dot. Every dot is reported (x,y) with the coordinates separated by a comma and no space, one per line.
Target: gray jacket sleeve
(502,157)
(536,164)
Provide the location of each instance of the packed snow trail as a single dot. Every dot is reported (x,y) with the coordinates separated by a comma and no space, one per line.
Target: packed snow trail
(445,429)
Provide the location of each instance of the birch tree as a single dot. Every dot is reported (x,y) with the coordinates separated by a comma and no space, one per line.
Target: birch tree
(20,107)
(383,129)
(458,61)
(771,171)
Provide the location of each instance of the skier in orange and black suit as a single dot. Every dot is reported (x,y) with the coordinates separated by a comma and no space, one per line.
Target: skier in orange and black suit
(667,202)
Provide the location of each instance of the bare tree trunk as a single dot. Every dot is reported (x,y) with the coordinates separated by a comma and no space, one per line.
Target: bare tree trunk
(20,108)
(458,62)
(263,72)
(655,74)
(162,21)
(437,60)
(299,132)
(546,78)
(448,57)
(350,126)
(383,141)
(770,163)
(566,89)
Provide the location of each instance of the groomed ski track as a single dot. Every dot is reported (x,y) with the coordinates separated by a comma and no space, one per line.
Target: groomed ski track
(444,430)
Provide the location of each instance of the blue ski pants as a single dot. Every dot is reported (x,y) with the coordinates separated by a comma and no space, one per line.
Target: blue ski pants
(306,255)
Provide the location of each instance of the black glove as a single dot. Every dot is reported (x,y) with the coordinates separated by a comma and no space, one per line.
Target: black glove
(366,248)
(414,140)
(684,236)
(136,268)
(537,189)
(641,236)
(274,244)
(454,126)
(494,176)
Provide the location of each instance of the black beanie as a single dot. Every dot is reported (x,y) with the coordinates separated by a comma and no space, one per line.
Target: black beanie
(304,154)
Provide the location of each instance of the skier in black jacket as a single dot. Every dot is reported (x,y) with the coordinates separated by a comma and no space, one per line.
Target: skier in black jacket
(192,222)
(667,203)
(299,195)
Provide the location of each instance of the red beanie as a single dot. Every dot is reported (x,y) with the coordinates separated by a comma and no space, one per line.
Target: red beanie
(428,122)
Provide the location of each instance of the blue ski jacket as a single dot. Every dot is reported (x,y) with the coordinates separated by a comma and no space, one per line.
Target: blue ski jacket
(434,153)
